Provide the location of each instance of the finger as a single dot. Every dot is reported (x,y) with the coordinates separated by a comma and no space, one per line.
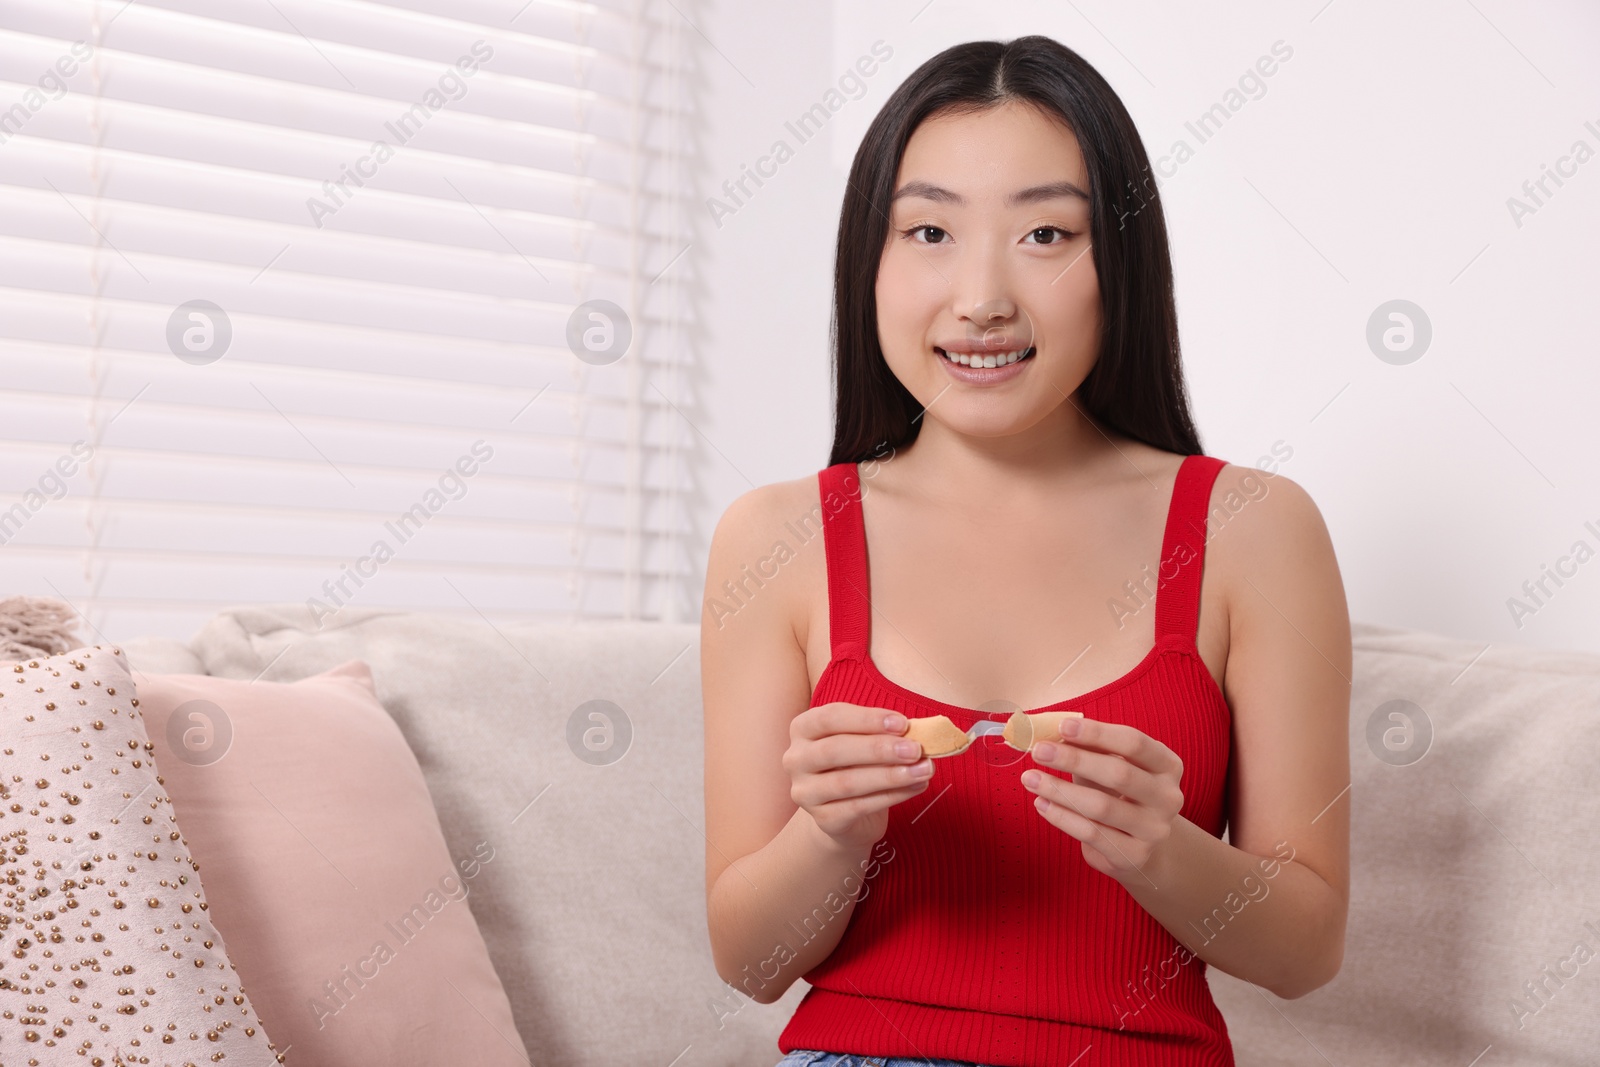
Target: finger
(842,717)
(1060,757)
(1093,804)
(859,750)
(852,808)
(1108,839)
(1131,743)
(1109,773)
(1117,847)
(853,782)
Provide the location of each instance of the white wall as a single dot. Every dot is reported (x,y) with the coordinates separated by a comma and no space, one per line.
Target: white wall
(1376,165)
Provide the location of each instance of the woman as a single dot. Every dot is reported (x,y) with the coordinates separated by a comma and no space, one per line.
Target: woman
(1038,527)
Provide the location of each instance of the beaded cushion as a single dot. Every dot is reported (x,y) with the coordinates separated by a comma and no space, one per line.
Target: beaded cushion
(108,954)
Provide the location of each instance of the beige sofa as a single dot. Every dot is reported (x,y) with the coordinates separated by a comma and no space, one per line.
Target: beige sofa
(1472,917)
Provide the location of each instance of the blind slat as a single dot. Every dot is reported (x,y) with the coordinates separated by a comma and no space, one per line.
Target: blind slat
(378,329)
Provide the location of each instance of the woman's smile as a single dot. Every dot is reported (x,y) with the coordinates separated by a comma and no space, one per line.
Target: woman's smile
(985,368)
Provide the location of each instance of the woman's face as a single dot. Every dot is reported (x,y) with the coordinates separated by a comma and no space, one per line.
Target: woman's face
(989,248)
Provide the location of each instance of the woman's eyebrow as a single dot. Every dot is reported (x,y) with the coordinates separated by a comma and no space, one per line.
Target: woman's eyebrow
(1031,195)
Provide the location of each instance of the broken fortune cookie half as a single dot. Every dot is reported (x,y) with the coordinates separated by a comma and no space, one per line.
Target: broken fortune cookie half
(941,737)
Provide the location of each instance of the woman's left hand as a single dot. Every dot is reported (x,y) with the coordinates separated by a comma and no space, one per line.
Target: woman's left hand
(1123,797)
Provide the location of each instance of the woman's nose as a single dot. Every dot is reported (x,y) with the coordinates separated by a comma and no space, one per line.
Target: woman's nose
(996,309)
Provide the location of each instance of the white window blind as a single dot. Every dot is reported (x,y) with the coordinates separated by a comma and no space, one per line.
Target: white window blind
(391,212)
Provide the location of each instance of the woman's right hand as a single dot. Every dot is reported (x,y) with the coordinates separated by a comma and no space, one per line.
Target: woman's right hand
(847,771)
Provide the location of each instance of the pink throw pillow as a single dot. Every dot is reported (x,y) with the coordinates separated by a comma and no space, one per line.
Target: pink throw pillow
(327,871)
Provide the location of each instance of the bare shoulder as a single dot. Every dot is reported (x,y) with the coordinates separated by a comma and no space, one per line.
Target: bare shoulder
(766,502)
(1259,520)
(757,547)
(1269,549)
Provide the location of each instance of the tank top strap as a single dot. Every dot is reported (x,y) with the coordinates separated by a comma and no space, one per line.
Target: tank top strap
(844,535)
(1183,549)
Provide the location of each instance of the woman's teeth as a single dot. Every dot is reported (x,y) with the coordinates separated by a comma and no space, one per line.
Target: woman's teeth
(992,359)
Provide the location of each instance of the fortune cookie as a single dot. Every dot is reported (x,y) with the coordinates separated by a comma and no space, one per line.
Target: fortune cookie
(940,737)
(1023,730)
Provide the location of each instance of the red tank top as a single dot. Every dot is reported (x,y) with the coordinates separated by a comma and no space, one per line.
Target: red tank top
(980,933)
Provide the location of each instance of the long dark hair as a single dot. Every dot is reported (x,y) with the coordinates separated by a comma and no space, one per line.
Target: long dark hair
(1136,385)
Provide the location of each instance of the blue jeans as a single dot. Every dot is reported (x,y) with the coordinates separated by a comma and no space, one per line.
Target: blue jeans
(805,1057)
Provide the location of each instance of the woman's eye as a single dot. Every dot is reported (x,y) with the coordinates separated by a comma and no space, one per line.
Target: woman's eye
(924,229)
(1063,234)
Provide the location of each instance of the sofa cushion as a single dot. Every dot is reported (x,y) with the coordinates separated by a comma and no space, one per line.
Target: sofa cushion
(1473,845)
(109,954)
(160,655)
(575,749)
(341,901)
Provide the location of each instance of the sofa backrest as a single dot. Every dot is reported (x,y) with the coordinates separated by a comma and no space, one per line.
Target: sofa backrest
(577,750)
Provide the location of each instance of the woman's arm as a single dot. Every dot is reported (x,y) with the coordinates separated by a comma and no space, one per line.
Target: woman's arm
(779,891)
(780,911)
(1269,905)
